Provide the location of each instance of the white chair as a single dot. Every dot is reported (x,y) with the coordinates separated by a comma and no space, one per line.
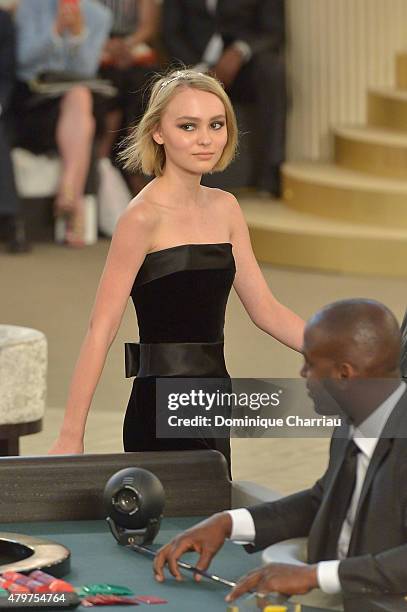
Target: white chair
(37,176)
(23,370)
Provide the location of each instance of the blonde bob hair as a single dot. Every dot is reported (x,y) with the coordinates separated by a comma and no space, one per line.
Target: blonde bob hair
(141,152)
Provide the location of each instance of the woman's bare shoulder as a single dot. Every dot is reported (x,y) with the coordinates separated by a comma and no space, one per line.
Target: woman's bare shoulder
(140,215)
(225,203)
(221,197)
(136,227)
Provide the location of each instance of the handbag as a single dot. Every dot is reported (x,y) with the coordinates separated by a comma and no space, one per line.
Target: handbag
(54,84)
(113,196)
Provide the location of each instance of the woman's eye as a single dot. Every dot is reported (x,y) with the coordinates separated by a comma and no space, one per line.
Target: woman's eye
(217,125)
(188,127)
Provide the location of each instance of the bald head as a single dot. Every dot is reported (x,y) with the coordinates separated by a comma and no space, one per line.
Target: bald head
(361,332)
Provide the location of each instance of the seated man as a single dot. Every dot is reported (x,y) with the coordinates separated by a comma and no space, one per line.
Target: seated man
(242,42)
(9,201)
(129,60)
(355,515)
(403,359)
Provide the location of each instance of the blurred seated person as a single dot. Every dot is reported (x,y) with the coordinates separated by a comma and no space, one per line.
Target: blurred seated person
(128,61)
(242,42)
(58,40)
(9,201)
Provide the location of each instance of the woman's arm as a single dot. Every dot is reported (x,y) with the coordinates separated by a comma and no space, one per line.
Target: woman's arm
(264,310)
(83,51)
(131,241)
(147,28)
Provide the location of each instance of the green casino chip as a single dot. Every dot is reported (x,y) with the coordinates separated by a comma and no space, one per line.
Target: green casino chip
(104,589)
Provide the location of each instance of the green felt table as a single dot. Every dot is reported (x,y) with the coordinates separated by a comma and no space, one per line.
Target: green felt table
(97,558)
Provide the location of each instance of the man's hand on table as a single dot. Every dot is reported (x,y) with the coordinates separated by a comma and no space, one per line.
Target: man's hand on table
(118,52)
(206,538)
(277,577)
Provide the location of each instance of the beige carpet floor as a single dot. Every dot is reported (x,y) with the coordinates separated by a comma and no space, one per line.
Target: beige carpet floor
(52,289)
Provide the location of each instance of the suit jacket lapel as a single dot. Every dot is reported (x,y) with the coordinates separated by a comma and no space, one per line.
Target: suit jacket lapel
(393,427)
(396,425)
(381,450)
(317,536)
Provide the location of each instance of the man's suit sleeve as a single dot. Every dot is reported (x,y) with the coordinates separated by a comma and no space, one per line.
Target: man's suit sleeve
(289,517)
(270,32)
(7,59)
(385,572)
(292,516)
(176,43)
(403,359)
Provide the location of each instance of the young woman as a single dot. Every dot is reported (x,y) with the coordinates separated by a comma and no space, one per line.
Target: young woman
(177,250)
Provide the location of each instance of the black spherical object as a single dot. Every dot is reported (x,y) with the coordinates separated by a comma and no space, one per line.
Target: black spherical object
(133,497)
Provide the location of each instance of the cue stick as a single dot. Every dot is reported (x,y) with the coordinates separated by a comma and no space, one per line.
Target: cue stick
(279,598)
(187,566)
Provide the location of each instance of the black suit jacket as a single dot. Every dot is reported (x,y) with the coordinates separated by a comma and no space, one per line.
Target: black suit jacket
(187,26)
(377,558)
(7,58)
(403,357)
(9,203)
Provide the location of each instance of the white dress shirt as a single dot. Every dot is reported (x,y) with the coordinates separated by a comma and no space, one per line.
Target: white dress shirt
(365,437)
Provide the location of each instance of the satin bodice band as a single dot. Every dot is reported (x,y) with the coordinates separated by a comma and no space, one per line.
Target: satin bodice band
(182,359)
(184,257)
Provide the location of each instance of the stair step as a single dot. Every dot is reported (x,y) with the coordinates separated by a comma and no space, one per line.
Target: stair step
(285,237)
(387,107)
(401,70)
(329,191)
(374,150)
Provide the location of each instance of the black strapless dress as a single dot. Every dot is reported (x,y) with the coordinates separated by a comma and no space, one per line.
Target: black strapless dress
(180,296)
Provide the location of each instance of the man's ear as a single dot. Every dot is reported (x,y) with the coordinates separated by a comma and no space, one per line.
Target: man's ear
(157,135)
(346,371)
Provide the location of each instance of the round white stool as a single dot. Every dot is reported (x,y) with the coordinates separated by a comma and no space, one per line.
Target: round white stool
(23,370)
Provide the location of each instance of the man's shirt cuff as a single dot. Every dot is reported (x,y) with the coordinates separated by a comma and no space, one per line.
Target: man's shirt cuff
(243,529)
(328,577)
(244,49)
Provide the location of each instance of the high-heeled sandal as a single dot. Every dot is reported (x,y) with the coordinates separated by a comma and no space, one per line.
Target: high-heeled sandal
(75,228)
(65,202)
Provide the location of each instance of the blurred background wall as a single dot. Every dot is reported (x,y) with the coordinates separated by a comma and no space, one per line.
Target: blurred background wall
(337,49)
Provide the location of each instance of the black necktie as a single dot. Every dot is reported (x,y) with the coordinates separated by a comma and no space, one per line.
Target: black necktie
(341,498)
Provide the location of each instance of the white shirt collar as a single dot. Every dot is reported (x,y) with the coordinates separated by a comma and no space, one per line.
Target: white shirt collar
(211,5)
(367,434)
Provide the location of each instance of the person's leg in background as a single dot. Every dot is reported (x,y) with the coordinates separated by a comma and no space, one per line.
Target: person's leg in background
(10,205)
(74,136)
(262,81)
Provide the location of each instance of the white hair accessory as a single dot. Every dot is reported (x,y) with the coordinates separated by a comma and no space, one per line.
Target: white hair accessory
(179,74)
